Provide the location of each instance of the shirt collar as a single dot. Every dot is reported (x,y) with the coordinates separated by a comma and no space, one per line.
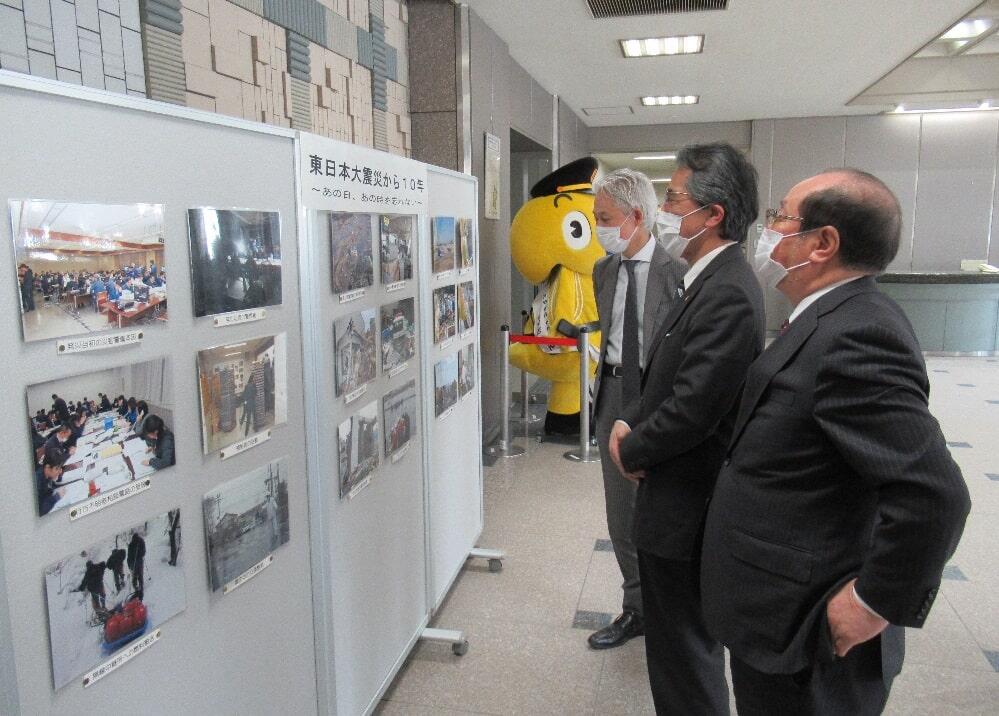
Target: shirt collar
(702,263)
(645,253)
(813,297)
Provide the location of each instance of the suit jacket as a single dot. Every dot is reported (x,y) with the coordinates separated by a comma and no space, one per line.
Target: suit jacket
(690,391)
(665,275)
(836,470)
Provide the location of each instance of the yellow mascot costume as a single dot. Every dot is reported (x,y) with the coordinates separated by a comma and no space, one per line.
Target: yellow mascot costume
(554,246)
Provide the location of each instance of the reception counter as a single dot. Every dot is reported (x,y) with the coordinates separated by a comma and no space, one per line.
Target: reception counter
(953,313)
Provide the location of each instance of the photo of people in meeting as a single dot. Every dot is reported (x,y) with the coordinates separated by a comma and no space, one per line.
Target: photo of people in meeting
(86,268)
(357,440)
(235,259)
(397,248)
(354,339)
(351,251)
(105,595)
(244,390)
(443,241)
(94,432)
(399,412)
(398,329)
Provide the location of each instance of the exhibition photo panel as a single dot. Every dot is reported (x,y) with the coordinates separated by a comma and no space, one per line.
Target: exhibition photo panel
(399,411)
(466,370)
(466,306)
(351,241)
(466,257)
(396,252)
(104,596)
(398,329)
(445,383)
(246,519)
(442,236)
(235,259)
(357,447)
(354,350)
(87,267)
(445,325)
(244,390)
(97,431)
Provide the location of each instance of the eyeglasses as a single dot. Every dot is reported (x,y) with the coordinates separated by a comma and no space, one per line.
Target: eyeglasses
(773,216)
(673,196)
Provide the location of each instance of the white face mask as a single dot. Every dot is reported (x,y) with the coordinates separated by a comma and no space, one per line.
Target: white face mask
(610,239)
(668,232)
(769,270)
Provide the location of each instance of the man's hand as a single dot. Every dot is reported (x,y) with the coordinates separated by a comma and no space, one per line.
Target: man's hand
(850,623)
(619,431)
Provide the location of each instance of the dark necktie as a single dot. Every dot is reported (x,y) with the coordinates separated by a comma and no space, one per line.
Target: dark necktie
(784,327)
(631,387)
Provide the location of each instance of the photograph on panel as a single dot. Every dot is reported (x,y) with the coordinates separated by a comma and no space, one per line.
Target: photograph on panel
(357,447)
(444,313)
(466,306)
(464,235)
(94,432)
(466,370)
(445,383)
(235,259)
(86,268)
(246,519)
(397,248)
(399,412)
(443,243)
(398,327)
(351,251)
(244,390)
(104,596)
(354,350)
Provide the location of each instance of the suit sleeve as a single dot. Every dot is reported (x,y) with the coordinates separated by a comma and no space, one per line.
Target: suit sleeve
(718,347)
(871,402)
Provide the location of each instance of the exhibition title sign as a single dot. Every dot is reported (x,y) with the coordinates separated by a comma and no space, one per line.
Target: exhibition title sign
(337,176)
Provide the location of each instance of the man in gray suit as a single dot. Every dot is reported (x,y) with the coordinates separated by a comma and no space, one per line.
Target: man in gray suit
(636,286)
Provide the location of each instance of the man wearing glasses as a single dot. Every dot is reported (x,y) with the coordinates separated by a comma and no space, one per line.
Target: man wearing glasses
(838,504)
(672,440)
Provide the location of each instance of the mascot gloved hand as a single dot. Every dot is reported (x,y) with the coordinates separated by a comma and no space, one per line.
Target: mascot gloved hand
(553,245)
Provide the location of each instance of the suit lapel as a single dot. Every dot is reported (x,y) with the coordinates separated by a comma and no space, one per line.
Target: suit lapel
(608,285)
(655,298)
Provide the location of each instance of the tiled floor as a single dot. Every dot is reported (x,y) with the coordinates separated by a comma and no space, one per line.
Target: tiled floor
(527,625)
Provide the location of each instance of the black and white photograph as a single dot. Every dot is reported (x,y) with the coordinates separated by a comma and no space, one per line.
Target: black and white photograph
(351,250)
(443,243)
(244,390)
(354,350)
(235,259)
(464,240)
(399,412)
(398,328)
(94,432)
(445,383)
(357,447)
(397,248)
(106,595)
(246,519)
(86,268)
(445,318)
(466,370)
(466,306)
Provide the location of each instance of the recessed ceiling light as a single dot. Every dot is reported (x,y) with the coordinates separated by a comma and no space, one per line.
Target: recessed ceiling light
(930,108)
(653,157)
(968,29)
(659,46)
(666,100)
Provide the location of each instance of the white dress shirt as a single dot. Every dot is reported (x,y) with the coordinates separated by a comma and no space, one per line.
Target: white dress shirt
(615,338)
(702,263)
(815,296)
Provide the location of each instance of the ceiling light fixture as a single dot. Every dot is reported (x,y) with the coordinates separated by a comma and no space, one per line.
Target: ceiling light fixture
(984,105)
(659,46)
(666,100)
(968,29)
(654,157)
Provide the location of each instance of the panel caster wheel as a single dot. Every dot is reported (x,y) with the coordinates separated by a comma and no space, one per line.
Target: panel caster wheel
(460,649)
(496,565)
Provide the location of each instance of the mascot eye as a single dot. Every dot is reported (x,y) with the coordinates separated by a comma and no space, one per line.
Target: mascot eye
(576,230)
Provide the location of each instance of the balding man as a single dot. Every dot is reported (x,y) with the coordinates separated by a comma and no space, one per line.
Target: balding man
(838,504)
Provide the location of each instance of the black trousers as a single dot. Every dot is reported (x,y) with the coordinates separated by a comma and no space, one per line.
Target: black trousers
(854,684)
(686,666)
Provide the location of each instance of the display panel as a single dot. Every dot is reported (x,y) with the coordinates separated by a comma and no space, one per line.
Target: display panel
(445,324)
(466,256)
(354,342)
(357,439)
(466,306)
(87,268)
(466,370)
(442,229)
(445,383)
(399,412)
(235,259)
(94,432)
(246,519)
(398,329)
(351,251)
(243,390)
(397,248)
(106,595)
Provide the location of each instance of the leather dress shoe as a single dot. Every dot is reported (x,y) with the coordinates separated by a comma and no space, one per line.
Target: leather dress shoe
(625,627)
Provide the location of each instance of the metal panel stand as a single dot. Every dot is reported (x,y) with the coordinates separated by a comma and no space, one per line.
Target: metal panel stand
(495,557)
(457,640)
(504,448)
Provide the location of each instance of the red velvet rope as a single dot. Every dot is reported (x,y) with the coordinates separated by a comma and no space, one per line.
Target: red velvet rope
(542,340)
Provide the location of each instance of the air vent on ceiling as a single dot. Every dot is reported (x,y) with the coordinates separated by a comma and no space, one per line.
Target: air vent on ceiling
(630,8)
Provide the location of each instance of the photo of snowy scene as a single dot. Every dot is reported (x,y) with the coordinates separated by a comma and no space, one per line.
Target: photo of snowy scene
(109,594)
(245,520)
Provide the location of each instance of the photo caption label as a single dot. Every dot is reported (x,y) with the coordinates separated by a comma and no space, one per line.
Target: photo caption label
(352,295)
(354,395)
(99,502)
(397,286)
(244,445)
(92,677)
(397,370)
(231,319)
(248,574)
(400,453)
(96,343)
(446,414)
(358,487)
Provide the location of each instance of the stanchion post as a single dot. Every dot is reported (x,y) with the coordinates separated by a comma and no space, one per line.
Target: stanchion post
(585,452)
(525,396)
(505,448)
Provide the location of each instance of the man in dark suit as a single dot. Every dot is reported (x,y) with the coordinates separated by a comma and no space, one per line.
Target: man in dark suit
(673,439)
(838,504)
(635,286)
